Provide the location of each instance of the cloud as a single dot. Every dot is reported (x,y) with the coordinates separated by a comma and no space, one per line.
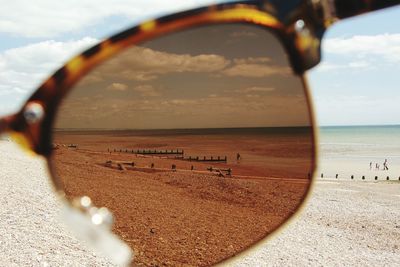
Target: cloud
(48,18)
(386,46)
(255,70)
(255,89)
(144,90)
(355,65)
(174,111)
(145,64)
(251,60)
(117,87)
(22,69)
(255,67)
(147,90)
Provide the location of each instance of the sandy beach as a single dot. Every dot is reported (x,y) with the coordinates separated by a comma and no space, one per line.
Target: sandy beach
(189,215)
(345,223)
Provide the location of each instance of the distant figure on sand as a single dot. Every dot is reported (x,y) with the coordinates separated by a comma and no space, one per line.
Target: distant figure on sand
(370,165)
(376,166)
(238,157)
(385,167)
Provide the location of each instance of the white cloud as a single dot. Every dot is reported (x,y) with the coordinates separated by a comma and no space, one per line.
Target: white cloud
(255,70)
(22,69)
(49,18)
(360,53)
(255,67)
(117,87)
(145,64)
(355,65)
(257,89)
(386,46)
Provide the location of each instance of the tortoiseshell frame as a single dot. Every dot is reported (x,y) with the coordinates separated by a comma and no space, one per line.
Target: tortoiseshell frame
(280,17)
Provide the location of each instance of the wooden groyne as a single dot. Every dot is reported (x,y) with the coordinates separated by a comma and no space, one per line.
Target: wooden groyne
(178,153)
(205,159)
(149,151)
(370,177)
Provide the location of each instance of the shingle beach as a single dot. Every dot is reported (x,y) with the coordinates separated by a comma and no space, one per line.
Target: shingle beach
(344,223)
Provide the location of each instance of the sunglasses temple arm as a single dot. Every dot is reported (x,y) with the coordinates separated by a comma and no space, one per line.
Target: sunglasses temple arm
(350,8)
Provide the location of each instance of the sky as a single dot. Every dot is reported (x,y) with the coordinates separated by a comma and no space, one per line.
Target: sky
(220,76)
(357,82)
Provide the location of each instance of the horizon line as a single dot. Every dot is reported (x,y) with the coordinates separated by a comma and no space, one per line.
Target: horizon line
(359,125)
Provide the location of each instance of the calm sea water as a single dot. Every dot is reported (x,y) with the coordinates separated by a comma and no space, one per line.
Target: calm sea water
(350,149)
(360,141)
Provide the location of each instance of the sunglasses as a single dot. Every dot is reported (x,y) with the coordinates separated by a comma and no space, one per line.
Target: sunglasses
(186,139)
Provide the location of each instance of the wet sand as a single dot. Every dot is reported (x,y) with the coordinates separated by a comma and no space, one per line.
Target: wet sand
(183,216)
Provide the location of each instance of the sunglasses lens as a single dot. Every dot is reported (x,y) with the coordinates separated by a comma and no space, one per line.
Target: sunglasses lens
(200,142)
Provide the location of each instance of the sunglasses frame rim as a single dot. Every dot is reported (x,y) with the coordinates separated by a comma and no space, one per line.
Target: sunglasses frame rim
(302,47)
(275,30)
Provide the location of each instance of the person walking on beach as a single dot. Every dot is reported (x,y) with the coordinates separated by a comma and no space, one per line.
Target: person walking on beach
(370,165)
(376,166)
(385,167)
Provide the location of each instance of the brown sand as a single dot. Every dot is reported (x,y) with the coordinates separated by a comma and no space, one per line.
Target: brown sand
(184,217)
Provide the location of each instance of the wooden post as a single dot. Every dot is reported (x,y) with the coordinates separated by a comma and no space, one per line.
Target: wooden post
(337,175)
(322,175)
(121,167)
(352,177)
(387,178)
(376,177)
(363,177)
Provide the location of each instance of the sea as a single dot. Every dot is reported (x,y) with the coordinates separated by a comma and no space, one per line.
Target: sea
(359,151)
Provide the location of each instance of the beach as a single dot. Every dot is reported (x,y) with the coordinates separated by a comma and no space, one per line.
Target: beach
(357,150)
(344,222)
(169,205)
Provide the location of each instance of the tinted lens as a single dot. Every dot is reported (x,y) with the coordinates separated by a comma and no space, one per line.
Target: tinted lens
(200,142)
